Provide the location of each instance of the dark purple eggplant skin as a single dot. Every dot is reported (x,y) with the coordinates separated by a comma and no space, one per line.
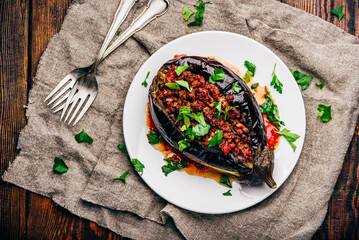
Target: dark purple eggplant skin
(246,104)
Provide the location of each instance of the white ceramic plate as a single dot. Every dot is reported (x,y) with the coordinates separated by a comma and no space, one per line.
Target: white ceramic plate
(196,193)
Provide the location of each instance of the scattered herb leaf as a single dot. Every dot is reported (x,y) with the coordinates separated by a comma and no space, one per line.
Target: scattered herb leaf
(144,83)
(218,105)
(180,69)
(325,112)
(199,165)
(187,13)
(225,112)
(251,68)
(60,166)
(199,14)
(225,180)
(236,87)
(216,140)
(228,193)
(198,131)
(184,84)
(218,75)
(118,32)
(183,144)
(302,79)
(122,148)
(122,177)
(291,137)
(271,110)
(83,137)
(277,85)
(173,86)
(173,165)
(254,86)
(338,12)
(247,77)
(137,165)
(320,85)
(153,138)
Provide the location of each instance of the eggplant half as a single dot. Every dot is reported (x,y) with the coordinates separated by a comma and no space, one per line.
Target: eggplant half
(253,169)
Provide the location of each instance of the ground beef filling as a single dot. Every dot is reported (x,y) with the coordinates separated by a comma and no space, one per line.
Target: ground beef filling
(236,139)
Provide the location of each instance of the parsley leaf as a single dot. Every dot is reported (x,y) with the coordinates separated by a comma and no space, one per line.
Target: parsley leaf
(277,85)
(184,84)
(271,110)
(325,112)
(302,79)
(320,85)
(225,112)
(137,165)
(218,75)
(225,180)
(144,83)
(251,68)
(83,137)
(236,87)
(228,193)
(173,86)
(183,144)
(198,131)
(338,12)
(187,13)
(118,32)
(199,14)
(122,177)
(254,86)
(247,77)
(217,139)
(218,105)
(122,148)
(199,118)
(60,166)
(173,165)
(153,138)
(180,69)
(291,137)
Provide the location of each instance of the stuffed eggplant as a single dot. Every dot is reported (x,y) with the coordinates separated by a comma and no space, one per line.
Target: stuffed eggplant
(206,111)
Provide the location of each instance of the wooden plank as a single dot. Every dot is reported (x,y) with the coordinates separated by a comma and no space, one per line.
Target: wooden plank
(13,94)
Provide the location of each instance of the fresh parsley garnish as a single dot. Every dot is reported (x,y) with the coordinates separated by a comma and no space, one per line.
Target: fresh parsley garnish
(153,138)
(137,165)
(118,32)
(251,68)
(197,131)
(60,166)
(217,139)
(173,165)
(228,193)
(218,106)
(144,83)
(247,77)
(183,144)
(302,79)
(180,69)
(277,85)
(187,13)
(218,75)
(173,86)
(122,177)
(254,86)
(271,110)
(236,87)
(320,85)
(199,14)
(184,113)
(338,12)
(225,112)
(122,148)
(83,137)
(184,84)
(225,180)
(325,112)
(291,137)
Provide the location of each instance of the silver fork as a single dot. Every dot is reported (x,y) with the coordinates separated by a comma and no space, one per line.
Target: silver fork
(85,87)
(69,81)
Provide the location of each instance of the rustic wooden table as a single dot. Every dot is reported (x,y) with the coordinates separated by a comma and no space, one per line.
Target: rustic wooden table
(26,27)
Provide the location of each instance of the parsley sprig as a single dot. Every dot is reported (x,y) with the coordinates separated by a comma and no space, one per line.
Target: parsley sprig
(144,83)
(217,139)
(60,166)
(218,75)
(302,79)
(338,12)
(251,70)
(271,110)
(83,137)
(137,165)
(122,177)
(153,137)
(173,165)
(291,137)
(325,112)
(198,16)
(277,85)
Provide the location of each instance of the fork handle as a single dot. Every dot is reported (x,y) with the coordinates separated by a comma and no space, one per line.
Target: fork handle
(154,9)
(120,15)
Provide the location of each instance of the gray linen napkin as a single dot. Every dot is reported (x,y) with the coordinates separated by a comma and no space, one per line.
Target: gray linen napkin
(296,210)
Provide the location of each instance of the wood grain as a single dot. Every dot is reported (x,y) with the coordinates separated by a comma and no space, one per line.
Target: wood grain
(26,27)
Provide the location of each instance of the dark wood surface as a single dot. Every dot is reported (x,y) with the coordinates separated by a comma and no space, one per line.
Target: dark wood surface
(26,27)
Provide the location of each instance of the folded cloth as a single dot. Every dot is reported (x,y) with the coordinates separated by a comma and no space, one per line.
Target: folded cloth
(304,42)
